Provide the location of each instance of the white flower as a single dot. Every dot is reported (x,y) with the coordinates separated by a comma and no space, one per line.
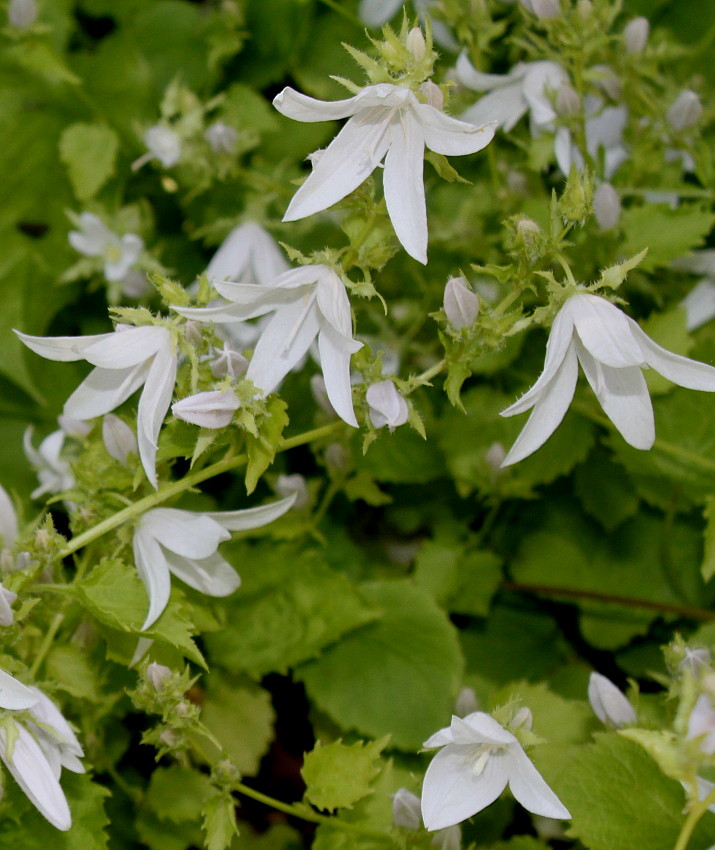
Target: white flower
(13,694)
(124,360)
(222,137)
(293,485)
(460,304)
(477,760)
(701,724)
(635,35)
(164,144)
(248,254)
(212,409)
(387,407)
(685,111)
(606,206)
(608,703)
(612,351)
(53,471)
(7,598)
(22,14)
(157,675)
(185,543)
(406,814)
(510,96)
(386,122)
(696,660)
(119,439)
(604,131)
(8,519)
(307,302)
(375,13)
(95,239)
(699,303)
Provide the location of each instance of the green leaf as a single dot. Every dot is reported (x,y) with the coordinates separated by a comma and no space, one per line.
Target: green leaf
(707,568)
(605,490)
(398,676)
(89,151)
(402,457)
(70,668)
(177,793)
(219,822)
(338,775)
(261,450)
(666,233)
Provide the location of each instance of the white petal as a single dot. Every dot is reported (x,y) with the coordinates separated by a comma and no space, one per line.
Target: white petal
(93,236)
(285,340)
(450,136)
(374,13)
(623,395)
(248,518)
(540,77)
(549,410)
(45,711)
(680,370)
(211,409)
(213,576)
(348,160)
(127,347)
(404,187)
(64,349)
(334,304)
(605,331)
(478,81)
(481,728)
(699,304)
(13,694)
(564,150)
(248,253)
(103,390)
(529,788)
(505,106)
(119,439)
(130,247)
(699,262)
(34,775)
(153,570)
(335,353)
(439,739)
(452,792)
(608,703)
(300,107)
(193,535)
(153,404)
(8,519)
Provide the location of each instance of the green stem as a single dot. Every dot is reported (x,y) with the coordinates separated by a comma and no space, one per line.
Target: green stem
(430,373)
(176,487)
(692,820)
(46,643)
(567,269)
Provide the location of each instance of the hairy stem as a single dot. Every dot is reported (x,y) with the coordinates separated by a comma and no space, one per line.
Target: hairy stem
(692,820)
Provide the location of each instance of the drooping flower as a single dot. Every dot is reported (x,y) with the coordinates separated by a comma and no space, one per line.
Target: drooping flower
(185,543)
(478,759)
(95,239)
(307,302)
(52,469)
(386,405)
(250,254)
(612,351)
(386,122)
(124,361)
(608,703)
(212,409)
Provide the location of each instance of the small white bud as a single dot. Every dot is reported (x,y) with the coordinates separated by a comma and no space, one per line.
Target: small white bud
(228,363)
(608,703)
(522,719)
(119,439)
(635,35)
(494,456)
(685,111)
(606,206)
(406,810)
(213,409)
(287,485)
(701,724)
(336,457)
(157,675)
(22,14)
(466,702)
(7,597)
(449,838)
(416,44)
(163,144)
(221,137)
(608,81)
(567,100)
(387,407)
(433,94)
(460,305)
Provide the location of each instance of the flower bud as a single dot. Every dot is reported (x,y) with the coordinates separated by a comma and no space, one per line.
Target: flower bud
(466,702)
(157,675)
(221,137)
(287,485)
(406,810)
(212,409)
(608,703)
(701,724)
(432,94)
(567,100)
(415,43)
(7,597)
(22,14)
(163,144)
(685,111)
(606,206)
(336,457)
(635,35)
(461,305)
(119,439)
(522,719)
(494,456)
(387,407)
(608,81)
(228,363)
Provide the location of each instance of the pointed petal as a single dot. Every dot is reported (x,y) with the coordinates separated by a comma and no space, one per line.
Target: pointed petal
(64,349)
(440,739)
(478,81)
(623,395)
(334,304)
(189,534)
(153,571)
(452,792)
(127,347)
(605,331)
(13,694)
(45,711)
(505,106)
(300,107)
(680,370)
(104,390)
(248,518)
(348,160)
(32,772)
(285,340)
(153,404)
(213,576)
(529,788)
(335,353)
(452,137)
(248,253)
(539,78)
(8,519)
(549,410)
(374,13)
(564,150)
(404,187)
(560,338)
(481,728)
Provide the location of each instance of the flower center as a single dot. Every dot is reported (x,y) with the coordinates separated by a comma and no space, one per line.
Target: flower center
(480,755)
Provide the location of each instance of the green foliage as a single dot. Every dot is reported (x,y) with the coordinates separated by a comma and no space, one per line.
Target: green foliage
(338,775)
(89,151)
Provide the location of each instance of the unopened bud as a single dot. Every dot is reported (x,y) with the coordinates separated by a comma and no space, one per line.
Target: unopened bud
(221,137)
(387,407)
(494,457)
(213,409)
(287,485)
(466,702)
(7,597)
(523,719)
(119,439)
(606,206)
(460,305)
(406,810)
(432,94)
(635,35)
(685,111)
(416,44)
(608,81)
(22,14)
(336,457)
(608,703)
(567,100)
(157,675)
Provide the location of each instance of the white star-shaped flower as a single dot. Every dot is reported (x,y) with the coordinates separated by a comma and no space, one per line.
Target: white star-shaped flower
(185,543)
(386,122)
(124,361)
(95,239)
(250,254)
(307,302)
(612,351)
(478,759)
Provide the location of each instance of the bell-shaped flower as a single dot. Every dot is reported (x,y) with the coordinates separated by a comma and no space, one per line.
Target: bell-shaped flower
(185,543)
(386,405)
(604,132)
(478,759)
(250,254)
(124,361)
(608,703)
(307,302)
(386,122)
(95,239)
(212,409)
(612,351)
(525,88)
(52,469)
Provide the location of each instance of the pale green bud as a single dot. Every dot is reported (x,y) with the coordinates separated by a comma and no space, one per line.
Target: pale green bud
(415,43)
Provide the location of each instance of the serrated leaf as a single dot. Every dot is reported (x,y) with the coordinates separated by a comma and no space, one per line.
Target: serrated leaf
(219,822)
(70,668)
(338,775)
(666,233)
(605,490)
(177,793)
(89,151)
